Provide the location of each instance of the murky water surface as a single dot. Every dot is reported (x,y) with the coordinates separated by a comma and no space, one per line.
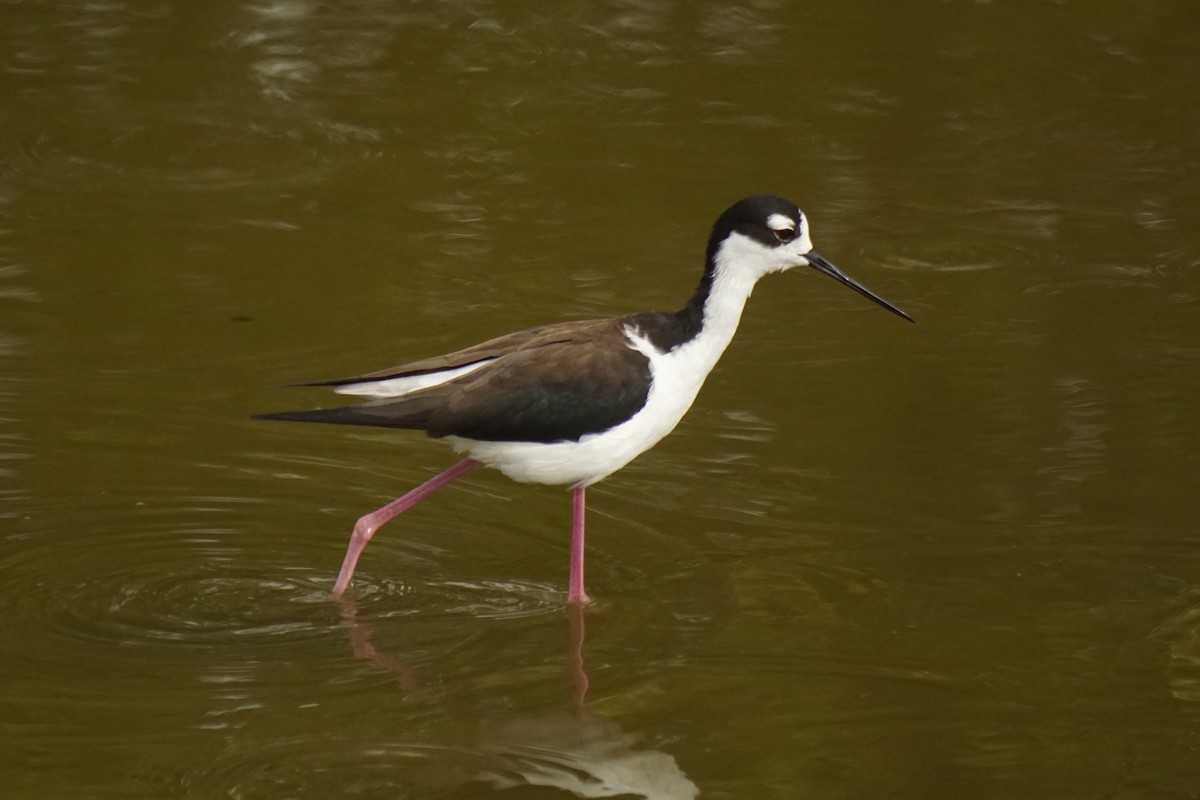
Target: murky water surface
(960,559)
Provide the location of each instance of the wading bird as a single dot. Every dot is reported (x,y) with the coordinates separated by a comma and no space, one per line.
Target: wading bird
(571,403)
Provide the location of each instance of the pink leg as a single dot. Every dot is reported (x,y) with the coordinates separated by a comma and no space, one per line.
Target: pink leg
(366,526)
(575,592)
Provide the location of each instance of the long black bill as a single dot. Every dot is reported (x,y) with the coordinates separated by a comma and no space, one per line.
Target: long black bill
(820,264)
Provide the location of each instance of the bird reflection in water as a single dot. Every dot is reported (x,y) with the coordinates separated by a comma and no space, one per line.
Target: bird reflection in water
(576,751)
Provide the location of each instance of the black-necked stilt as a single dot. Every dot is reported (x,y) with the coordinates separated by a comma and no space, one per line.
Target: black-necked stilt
(571,403)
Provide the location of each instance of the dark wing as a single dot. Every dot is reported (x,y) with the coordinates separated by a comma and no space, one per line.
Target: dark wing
(559,392)
(406,412)
(577,379)
(484,351)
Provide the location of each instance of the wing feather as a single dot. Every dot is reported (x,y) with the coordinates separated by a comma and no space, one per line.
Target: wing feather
(484,351)
(549,384)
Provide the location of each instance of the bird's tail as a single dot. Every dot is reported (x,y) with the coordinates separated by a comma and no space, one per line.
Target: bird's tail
(412,413)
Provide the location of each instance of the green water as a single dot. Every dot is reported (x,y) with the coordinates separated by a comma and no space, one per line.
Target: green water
(960,559)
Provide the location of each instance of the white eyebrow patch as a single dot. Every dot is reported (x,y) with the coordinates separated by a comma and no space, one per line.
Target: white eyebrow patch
(778,222)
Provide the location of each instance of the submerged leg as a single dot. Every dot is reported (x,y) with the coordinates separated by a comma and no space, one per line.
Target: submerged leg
(366,526)
(575,592)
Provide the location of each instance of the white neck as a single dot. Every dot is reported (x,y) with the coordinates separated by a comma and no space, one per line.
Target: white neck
(738,264)
(722,313)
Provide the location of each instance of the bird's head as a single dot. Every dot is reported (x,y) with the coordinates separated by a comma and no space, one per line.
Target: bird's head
(765,233)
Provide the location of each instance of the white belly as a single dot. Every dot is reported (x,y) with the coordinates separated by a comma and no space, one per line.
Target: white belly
(675,381)
(676,377)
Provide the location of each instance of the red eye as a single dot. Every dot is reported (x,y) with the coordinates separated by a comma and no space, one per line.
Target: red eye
(785,234)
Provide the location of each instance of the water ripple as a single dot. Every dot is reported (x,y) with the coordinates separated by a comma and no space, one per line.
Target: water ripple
(136,602)
(586,755)
(454,598)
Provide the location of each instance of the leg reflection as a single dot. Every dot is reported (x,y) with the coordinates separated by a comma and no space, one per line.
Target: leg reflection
(575,612)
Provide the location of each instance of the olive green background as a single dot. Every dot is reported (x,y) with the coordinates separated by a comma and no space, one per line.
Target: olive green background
(957,559)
